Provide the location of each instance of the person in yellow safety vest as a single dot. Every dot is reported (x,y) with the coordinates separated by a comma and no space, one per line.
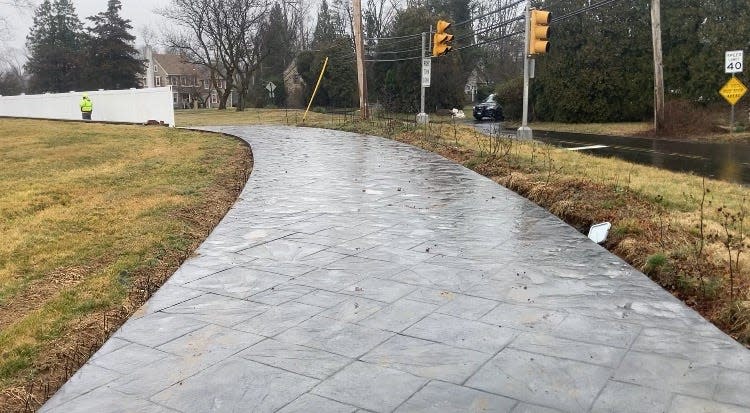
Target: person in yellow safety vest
(86,107)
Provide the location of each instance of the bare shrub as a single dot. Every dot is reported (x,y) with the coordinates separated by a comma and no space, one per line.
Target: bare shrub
(683,118)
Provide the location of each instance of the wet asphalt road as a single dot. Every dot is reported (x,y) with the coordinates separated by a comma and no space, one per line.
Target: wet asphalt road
(727,161)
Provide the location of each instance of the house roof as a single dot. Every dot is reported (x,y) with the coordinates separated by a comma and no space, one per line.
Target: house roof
(176,65)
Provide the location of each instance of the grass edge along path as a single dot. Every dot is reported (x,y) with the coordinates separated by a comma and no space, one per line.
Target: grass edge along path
(159,190)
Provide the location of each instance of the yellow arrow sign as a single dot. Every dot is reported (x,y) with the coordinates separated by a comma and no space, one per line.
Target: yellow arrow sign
(733,90)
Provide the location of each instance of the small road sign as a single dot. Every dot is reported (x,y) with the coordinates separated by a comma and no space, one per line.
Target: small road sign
(733,90)
(271,87)
(426,71)
(733,61)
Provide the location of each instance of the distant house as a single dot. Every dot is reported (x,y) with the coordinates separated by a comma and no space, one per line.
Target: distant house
(476,79)
(191,84)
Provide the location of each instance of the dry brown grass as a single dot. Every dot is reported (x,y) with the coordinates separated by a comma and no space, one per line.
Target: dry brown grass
(92,218)
(251,116)
(615,129)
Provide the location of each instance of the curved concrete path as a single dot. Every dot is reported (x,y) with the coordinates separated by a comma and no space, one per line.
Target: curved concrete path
(360,274)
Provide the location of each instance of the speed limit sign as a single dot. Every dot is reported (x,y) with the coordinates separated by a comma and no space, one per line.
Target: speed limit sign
(733,61)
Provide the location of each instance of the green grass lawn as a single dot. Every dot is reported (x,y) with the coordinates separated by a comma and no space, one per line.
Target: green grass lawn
(87,211)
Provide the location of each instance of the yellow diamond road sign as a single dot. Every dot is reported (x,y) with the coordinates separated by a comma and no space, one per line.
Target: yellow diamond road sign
(733,90)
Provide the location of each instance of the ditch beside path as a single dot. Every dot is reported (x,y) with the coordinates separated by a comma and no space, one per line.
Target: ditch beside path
(361,274)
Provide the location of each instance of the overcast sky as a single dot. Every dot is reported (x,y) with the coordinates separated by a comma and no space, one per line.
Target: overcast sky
(140,12)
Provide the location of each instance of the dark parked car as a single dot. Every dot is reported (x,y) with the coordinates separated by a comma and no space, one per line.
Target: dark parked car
(490,108)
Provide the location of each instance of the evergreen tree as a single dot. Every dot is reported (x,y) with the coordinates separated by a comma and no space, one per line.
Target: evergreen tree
(599,67)
(277,37)
(339,85)
(112,61)
(54,43)
(329,27)
(338,88)
(722,25)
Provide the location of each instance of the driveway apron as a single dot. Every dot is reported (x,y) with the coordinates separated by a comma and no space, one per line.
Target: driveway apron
(356,273)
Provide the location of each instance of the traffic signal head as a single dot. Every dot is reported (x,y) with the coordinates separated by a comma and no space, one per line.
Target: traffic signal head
(539,32)
(441,40)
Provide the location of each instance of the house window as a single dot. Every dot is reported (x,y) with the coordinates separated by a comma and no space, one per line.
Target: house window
(174,98)
(157,81)
(206,84)
(214,98)
(156,68)
(184,80)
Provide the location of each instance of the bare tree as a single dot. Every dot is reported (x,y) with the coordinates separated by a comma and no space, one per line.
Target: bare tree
(218,34)
(379,15)
(147,35)
(20,6)
(501,57)
(296,13)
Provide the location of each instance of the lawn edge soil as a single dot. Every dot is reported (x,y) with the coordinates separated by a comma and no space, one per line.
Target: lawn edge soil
(578,202)
(60,359)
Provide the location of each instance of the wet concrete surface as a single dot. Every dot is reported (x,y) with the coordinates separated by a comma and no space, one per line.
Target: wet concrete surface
(727,161)
(361,274)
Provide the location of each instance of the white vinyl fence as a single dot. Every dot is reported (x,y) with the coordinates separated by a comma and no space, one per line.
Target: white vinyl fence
(131,105)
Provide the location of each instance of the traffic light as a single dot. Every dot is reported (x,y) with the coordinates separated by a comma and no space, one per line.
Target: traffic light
(441,40)
(539,32)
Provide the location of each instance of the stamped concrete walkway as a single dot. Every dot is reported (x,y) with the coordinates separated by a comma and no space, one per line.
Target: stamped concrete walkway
(360,274)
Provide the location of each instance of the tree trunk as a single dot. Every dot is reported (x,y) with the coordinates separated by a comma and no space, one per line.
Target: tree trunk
(225,97)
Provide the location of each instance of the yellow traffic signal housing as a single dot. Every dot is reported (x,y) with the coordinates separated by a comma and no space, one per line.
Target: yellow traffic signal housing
(539,34)
(441,40)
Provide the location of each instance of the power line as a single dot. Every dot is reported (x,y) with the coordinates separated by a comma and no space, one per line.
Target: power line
(516,33)
(394,42)
(496,26)
(397,51)
(395,60)
(517,18)
(411,36)
(582,10)
(373,59)
(408,36)
(516,3)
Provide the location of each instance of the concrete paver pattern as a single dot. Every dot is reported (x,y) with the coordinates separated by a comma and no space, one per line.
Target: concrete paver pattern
(360,274)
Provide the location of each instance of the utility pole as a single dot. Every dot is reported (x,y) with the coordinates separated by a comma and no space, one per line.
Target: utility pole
(524,132)
(359,46)
(658,66)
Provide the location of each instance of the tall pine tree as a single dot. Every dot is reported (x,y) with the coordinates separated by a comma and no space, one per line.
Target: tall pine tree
(339,85)
(112,61)
(55,44)
(599,67)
